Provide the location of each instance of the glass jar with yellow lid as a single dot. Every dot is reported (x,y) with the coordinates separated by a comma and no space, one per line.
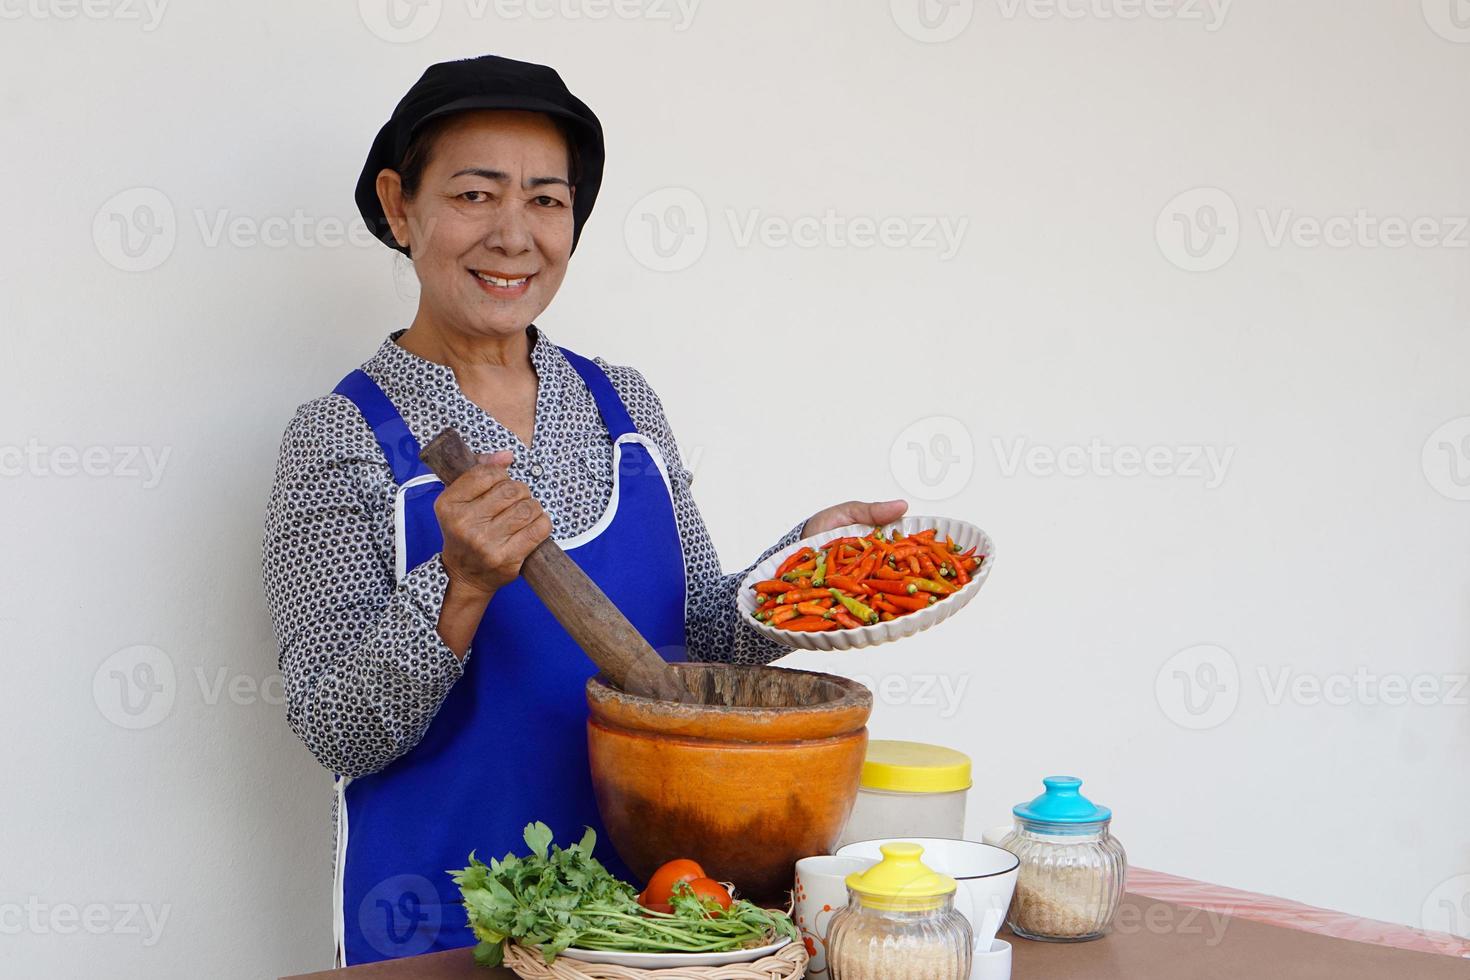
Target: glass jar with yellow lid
(900,923)
(909,789)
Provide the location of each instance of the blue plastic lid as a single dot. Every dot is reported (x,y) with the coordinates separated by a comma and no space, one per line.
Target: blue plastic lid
(1062,804)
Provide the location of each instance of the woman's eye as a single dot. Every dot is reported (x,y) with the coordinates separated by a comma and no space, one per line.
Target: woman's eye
(475,197)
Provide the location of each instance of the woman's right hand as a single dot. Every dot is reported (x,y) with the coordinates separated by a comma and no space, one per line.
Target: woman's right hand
(490,524)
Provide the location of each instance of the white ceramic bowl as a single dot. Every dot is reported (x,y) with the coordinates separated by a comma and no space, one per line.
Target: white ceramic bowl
(965,535)
(658,961)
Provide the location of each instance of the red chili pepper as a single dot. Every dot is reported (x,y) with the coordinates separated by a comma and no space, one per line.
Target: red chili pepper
(846,620)
(909,603)
(809,624)
(847,584)
(889,587)
(772,586)
(884,572)
(792,561)
(914,565)
(781,615)
(813,607)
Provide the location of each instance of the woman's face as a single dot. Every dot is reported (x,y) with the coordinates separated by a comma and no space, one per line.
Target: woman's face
(490,224)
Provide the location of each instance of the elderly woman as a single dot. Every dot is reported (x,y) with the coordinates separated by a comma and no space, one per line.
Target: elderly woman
(418,667)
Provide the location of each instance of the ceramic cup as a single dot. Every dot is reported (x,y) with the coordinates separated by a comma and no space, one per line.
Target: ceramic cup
(986,873)
(821,891)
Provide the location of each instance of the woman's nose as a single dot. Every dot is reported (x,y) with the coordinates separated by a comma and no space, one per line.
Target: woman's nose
(508,230)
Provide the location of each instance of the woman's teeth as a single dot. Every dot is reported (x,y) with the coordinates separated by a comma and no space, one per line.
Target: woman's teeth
(497,281)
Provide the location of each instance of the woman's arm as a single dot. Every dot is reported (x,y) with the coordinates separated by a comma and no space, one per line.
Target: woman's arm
(364,666)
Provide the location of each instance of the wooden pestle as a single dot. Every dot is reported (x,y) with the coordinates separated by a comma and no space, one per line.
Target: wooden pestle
(582,608)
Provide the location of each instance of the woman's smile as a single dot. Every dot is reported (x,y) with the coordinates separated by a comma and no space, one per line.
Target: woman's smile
(502,285)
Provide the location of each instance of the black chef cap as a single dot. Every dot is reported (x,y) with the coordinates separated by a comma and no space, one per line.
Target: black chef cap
(486,82)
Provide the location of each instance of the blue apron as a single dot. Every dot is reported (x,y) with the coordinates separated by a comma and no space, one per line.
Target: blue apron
(509,744)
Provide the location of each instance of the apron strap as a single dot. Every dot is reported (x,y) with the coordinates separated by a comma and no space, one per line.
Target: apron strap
(614,414)
(398,444)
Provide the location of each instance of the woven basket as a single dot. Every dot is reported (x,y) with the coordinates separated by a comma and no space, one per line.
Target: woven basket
(787,963)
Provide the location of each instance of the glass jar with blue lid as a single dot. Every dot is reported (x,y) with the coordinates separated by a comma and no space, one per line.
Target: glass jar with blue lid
(1072,868)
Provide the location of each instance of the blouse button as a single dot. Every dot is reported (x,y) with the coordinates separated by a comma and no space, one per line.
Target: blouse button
(536,469)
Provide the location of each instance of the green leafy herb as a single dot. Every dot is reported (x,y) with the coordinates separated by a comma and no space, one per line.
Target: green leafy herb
(557,897)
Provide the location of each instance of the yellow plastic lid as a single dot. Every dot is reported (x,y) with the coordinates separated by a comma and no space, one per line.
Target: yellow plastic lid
(901,882)
(913,767)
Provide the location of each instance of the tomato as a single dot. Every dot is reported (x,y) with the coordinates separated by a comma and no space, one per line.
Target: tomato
(661,885)
(707,888)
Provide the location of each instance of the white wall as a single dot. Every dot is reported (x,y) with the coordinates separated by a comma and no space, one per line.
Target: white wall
(1329,547)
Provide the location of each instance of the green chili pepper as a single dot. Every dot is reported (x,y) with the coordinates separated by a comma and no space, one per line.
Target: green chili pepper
(929,585)
(819,577)
(858,609)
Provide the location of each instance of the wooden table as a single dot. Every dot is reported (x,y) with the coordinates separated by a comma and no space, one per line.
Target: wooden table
(1151,940)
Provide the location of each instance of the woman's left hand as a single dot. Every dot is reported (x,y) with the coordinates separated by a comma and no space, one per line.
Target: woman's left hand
(854,512)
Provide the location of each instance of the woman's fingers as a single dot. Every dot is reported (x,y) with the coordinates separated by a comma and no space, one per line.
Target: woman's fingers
(854,512)
(491,469)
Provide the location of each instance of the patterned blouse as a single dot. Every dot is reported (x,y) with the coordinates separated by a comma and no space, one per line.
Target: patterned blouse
(364,667)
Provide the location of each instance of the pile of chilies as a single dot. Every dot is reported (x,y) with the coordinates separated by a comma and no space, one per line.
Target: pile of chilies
(857,581)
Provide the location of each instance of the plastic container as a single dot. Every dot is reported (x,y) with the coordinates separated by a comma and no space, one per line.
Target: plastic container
(900,923)
(909,789)
(1072,868)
